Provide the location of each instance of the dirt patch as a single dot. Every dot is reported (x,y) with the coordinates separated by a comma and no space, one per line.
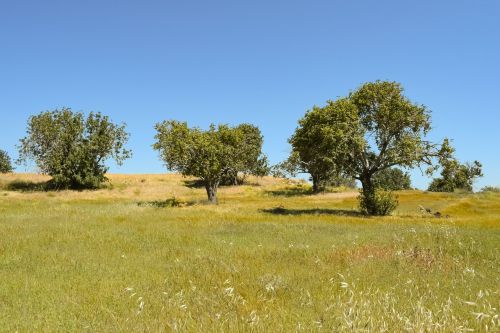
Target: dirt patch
(360,254)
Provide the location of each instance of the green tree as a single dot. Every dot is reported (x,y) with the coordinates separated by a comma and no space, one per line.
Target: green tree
(250,160)
(5,164)
(375,128)
(73,149)
(392,179)
(209,155)
(455,175)
(315,146)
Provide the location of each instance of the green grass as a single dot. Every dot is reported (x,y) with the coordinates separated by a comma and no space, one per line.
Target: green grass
(103,261)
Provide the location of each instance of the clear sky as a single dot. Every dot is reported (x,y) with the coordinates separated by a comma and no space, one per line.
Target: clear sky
(261,61)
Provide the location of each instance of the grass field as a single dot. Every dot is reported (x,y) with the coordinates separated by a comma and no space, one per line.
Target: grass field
(268,258)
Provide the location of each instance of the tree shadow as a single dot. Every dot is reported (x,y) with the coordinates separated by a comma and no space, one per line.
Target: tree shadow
(312,211)
(168,203)
(29,186)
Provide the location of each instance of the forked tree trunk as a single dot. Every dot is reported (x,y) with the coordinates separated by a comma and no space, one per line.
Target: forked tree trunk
(211,193)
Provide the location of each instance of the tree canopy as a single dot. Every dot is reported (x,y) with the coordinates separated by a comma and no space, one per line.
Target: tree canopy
(392,179)
(5,163)
(316,145)
(73,148)
(250,160)
(374,128)
(210,154)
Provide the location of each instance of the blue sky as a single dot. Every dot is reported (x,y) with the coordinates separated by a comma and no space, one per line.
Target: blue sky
(264,62)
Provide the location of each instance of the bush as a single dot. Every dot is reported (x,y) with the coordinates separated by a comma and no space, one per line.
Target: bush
(384,202)
(5,165)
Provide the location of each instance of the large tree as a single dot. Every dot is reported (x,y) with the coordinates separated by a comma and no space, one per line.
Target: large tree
(210,155)
(5,163)
(73,148)
(374,128)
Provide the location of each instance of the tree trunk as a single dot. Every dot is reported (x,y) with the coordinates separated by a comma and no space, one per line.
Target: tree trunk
(369,195)
(211,193)
(315,180)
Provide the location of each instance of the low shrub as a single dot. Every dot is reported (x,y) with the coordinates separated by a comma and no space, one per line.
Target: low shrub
(384,202)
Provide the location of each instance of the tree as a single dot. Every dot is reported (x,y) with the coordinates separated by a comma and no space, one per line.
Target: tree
(372,129)
(455,175)
(392,179)
(209,155)
(312,145)
(5,164)
(250,160)
(73,149)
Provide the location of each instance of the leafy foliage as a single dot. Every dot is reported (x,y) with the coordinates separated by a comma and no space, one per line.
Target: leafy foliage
(250,160)
(455,175)
(73,149)
(315,144)
(210,155)
(5,163)
(392,179)
(385,202)
(375,128)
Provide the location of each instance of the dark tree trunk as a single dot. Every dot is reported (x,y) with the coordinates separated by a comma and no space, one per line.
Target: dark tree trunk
(369,194)
(211,193)
(315,181)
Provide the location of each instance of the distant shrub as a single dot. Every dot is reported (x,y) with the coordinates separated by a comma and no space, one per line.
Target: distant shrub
(493,189)
(385,202)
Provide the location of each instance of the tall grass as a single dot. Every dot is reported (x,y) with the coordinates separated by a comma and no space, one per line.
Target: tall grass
(99,261)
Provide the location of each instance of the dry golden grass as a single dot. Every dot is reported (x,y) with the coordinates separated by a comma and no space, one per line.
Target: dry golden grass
(268,258)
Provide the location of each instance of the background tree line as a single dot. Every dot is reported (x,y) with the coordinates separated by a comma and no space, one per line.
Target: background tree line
(366,136)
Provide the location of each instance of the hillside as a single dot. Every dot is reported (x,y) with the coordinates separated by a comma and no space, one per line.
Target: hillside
(269,258)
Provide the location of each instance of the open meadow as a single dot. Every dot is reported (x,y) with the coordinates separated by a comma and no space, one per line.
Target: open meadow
(269,258)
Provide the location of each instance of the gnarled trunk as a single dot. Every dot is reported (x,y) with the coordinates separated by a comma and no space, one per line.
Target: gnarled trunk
(211,193)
